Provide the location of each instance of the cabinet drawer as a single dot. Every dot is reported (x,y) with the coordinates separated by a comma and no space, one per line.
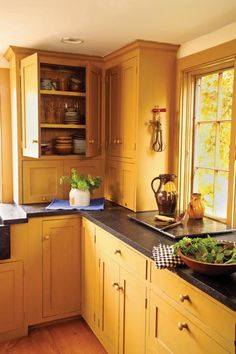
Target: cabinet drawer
(172,332)
(195,301)
(121,253)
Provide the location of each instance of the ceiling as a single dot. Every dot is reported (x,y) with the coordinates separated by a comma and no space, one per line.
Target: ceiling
(106,25)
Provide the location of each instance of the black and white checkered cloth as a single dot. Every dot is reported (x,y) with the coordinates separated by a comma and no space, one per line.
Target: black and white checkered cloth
(164,257)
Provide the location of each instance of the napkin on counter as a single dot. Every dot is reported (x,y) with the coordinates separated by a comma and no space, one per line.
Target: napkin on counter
(164,257)
(95,204)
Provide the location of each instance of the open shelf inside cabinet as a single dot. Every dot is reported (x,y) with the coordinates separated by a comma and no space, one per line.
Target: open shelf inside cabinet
(63,110)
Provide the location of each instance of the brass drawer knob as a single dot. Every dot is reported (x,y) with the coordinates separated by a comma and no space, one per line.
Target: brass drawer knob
(46,238)
(182,325)
(117,251)
(114,141)
(184,297)
(116,286)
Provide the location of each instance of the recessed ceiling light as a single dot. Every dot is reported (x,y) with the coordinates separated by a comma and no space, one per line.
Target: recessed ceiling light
(71,40)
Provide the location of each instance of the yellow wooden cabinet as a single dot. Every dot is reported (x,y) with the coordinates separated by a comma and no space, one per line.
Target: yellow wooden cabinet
(41,181)
(194,319)
(54,268)
(43,110)
(172,332)
(121,92)
(121,292)
(38,111)
(120,183)
(139,77)
(11,299)
(89,274)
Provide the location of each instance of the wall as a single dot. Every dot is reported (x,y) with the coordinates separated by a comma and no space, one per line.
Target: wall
(3,62)
(224,34)
(5,136)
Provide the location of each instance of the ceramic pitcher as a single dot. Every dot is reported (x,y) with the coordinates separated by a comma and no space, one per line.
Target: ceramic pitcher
(165,194)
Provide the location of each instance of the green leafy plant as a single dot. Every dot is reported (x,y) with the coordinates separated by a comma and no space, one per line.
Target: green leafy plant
(80,182)
(207,250)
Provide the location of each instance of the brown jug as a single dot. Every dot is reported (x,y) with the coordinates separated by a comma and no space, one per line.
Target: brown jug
(196,207)
(166,195)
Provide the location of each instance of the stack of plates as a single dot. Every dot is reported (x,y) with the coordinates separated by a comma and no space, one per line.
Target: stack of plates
(71,117)
(64,145)
(79,144)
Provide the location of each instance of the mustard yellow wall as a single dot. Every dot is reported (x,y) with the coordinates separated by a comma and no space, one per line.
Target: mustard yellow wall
(6,146)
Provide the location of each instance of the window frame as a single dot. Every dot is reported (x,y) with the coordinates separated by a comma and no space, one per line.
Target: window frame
(186,120)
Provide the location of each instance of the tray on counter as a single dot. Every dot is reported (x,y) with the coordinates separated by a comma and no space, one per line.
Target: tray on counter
(202,227)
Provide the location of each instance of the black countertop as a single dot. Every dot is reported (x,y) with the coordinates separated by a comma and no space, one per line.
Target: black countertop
(114,219)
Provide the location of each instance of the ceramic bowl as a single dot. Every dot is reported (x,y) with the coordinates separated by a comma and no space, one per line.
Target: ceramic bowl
(210,269)
(64,150)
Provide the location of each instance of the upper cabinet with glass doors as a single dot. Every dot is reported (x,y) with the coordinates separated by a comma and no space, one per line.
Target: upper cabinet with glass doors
(61,108)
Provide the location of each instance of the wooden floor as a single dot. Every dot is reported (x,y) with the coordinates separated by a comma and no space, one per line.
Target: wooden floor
(72,337)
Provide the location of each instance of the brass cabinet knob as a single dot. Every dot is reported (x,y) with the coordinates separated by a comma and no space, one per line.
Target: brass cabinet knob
(91,141)
(182,325)
(46,238)
(44,199)
(117,251)
(35,141)
(183,297)
(116,286)
(114,141)
(120,141)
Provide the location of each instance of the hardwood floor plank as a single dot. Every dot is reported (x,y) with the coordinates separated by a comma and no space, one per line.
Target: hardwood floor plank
(72,337)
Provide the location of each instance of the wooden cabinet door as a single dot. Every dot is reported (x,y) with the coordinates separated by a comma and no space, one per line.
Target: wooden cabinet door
(113,104)
(128,115)
(30,106)
(93,112)
(89,273)
(11,296)
(132,314)
(121,183)
(84,167)
(41,181)
(172,332)
(109,303)
(113,181)
(61,267)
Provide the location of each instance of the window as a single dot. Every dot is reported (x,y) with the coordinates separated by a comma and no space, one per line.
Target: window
(211,144)
(207,138)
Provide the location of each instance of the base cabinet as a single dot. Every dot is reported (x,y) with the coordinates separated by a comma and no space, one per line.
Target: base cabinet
(89,270)
(11,298)
(61,267)
(54,269)
(122,294)
(171,332)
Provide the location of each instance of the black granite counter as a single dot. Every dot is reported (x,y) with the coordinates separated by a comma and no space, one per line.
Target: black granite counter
(114,219)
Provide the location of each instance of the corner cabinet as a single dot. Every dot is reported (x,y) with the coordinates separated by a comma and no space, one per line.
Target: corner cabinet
(138,77)
(43,109)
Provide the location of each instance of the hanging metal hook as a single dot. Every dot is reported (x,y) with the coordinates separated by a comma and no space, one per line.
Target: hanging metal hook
(158,144)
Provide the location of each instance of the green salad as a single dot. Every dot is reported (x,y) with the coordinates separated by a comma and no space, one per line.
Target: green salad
(207,250)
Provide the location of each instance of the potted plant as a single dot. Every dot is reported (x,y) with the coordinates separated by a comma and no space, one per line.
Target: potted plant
(81,187)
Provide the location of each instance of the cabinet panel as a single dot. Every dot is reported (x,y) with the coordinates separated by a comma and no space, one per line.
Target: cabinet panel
(41,181)
(84,167)
(121,109)
(128,107)
(171,332)
(30,105)
(113,103)
(109,303)
(120,183)
(196,302)
(88,273)
(94,112)
(61,266)
(132,314)
(11,296)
